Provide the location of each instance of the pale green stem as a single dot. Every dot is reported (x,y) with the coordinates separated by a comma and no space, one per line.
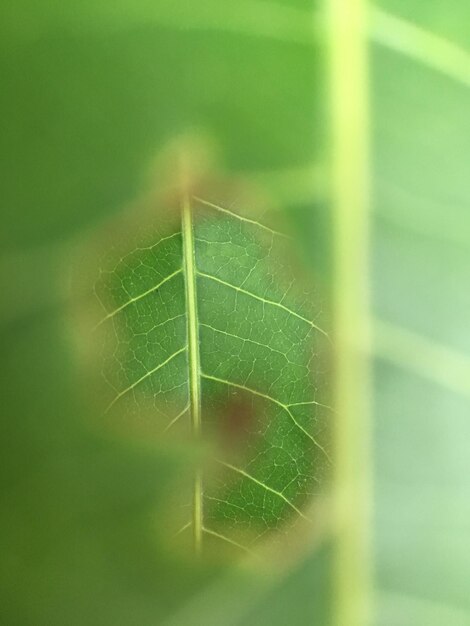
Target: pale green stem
(350,197)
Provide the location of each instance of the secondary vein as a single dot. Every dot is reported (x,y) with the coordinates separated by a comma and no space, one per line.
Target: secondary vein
(244,339)
(146,375)
(227,539)
(267,487)
(264,300)
(140,296)
(241,217)
(283,406)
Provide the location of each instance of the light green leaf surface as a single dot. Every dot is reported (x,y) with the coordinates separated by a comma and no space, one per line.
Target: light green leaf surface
(421,265)
(206,325)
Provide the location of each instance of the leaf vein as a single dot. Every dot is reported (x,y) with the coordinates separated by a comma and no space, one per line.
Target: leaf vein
(257,343)
(278,402)
(146,375)
(227,539)
(264,486)
(175,419)
(139,297)
(261,299)
(241,217)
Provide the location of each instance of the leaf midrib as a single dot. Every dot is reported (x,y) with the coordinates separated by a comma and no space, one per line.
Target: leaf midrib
(194,368)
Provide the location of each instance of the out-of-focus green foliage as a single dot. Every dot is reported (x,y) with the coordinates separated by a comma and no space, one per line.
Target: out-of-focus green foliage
(421,264)
(91,94)
(302,597)
(79,510)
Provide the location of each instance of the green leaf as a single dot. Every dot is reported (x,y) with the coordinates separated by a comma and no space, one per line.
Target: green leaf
(206,326)
(421,264)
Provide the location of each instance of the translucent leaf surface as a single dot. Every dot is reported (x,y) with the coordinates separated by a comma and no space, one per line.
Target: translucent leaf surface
(205,324)
(421,239)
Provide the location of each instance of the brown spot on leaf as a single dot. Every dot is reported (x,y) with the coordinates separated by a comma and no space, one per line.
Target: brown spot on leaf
(238,419)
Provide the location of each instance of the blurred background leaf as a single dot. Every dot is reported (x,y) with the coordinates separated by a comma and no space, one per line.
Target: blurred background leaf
(421,265)
(90,94)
